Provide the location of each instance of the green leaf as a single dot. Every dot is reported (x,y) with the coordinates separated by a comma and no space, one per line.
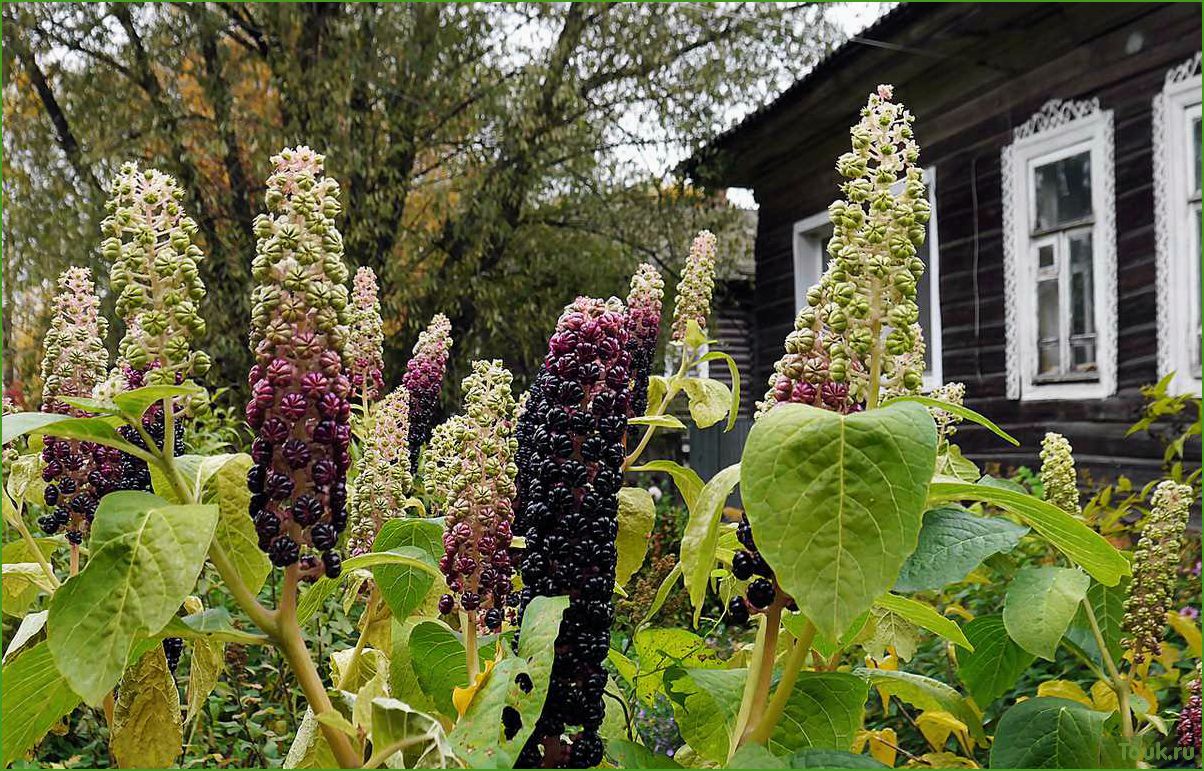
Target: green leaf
(756,756)
(1054,733)
(146,556)
(226,486)
(695,338)
(34,698)
(701,536)
(924,616)
(20,551)
(710,400)
(637,515)
(891,629)
(409,556)
(99,430)
(22,582)
(658,649)
(204,670)
(734,371)
(1080,543)
(133,403)
(959,410)
(417,738)
(25,472)
(996,663)
(146,731)
(660,421)
(951,463)
(658,388)
(836,501)
(403,682)
(437,655)
(213,624)
(1108,604)
(1039,606)
(857,631)
(924,693)
(313,598)
(706,703)
(478,736)
(952,543)
(403,587)
(687,480)
(824,710)
(628,754)
(662,593)
(817,758)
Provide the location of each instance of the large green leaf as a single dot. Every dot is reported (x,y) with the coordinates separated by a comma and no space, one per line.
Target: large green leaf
(995,664)
(226,485)
(734,372)
(756,756)
(701,535)
(146,556)
(924,693)
(1108,604)
(35,697)
(403,681)
(133,403)
(313,598)
(952,543)
(1055,733)
(706,703)
(959,410)
(31,626)
(658,649)
(147,731)
(637,515)
(836,501)
(403,587)
(1080,543)
(16,426)
(437,655)
(1039,606)
(213,624)
(824,711)
(479,736)
(20,551)
(20,585)
(689,484)
(925,616)
(99,430)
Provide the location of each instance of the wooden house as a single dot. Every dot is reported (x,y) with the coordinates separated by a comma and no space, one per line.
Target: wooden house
(1061,146)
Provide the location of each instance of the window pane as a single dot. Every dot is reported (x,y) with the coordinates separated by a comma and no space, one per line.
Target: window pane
(1045,256)
(1082,315)
(1048,336)
(1198,283)
(1063,191)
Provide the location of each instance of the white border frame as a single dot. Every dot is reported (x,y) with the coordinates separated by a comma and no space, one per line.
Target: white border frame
(1177,258)
(808,254)
(1058,128)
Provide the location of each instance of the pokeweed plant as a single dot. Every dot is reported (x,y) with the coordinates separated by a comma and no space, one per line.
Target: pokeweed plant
(484,637)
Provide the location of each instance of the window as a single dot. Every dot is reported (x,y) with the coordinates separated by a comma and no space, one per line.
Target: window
(1060,254)
(811,236)
(1177,222)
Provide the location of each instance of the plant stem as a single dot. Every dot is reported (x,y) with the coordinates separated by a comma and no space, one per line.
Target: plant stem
(468,623)
(74,569)
(750,687)
(763,677)
(365,622)
(19,522)
(777,705)
(1119,684)
(288,638)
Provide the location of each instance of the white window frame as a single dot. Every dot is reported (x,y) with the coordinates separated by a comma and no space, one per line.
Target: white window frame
(1058,130)
(1177,244)
(809,247)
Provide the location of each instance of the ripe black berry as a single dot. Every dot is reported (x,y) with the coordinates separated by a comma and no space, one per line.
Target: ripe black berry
(737,611)
(761,593)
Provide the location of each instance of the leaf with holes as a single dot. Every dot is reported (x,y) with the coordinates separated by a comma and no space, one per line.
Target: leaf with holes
(836,501)
(518,683)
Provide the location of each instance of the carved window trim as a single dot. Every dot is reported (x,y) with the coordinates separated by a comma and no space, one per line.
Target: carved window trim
(1177,280)
(1059,124)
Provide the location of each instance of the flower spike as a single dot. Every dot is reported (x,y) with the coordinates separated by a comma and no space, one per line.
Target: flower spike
(423,378)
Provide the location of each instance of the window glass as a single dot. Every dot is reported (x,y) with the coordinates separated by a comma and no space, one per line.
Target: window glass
(1082,319)
(1063,191)
(1048,333)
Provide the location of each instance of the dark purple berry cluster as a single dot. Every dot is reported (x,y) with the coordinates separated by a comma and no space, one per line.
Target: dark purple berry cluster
(572,451)
(172,648)
(749,565)
(77,474)
(423,379)
(643,330)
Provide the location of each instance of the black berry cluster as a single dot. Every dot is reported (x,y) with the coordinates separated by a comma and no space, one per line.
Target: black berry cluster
(749,565)
(172,648)
(423,379)
(571,457)
(643,329)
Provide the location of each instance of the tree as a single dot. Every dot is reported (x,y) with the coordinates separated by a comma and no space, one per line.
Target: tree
(488,152)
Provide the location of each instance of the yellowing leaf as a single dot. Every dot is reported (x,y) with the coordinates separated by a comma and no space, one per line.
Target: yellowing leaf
(208,659)
(1103,698)
(1169,656)
(1143,692)
(883,745)
(1064,689)
(941,760)
(147,732)
(937,725)
(1188,630)
(462,695)
(958,610)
